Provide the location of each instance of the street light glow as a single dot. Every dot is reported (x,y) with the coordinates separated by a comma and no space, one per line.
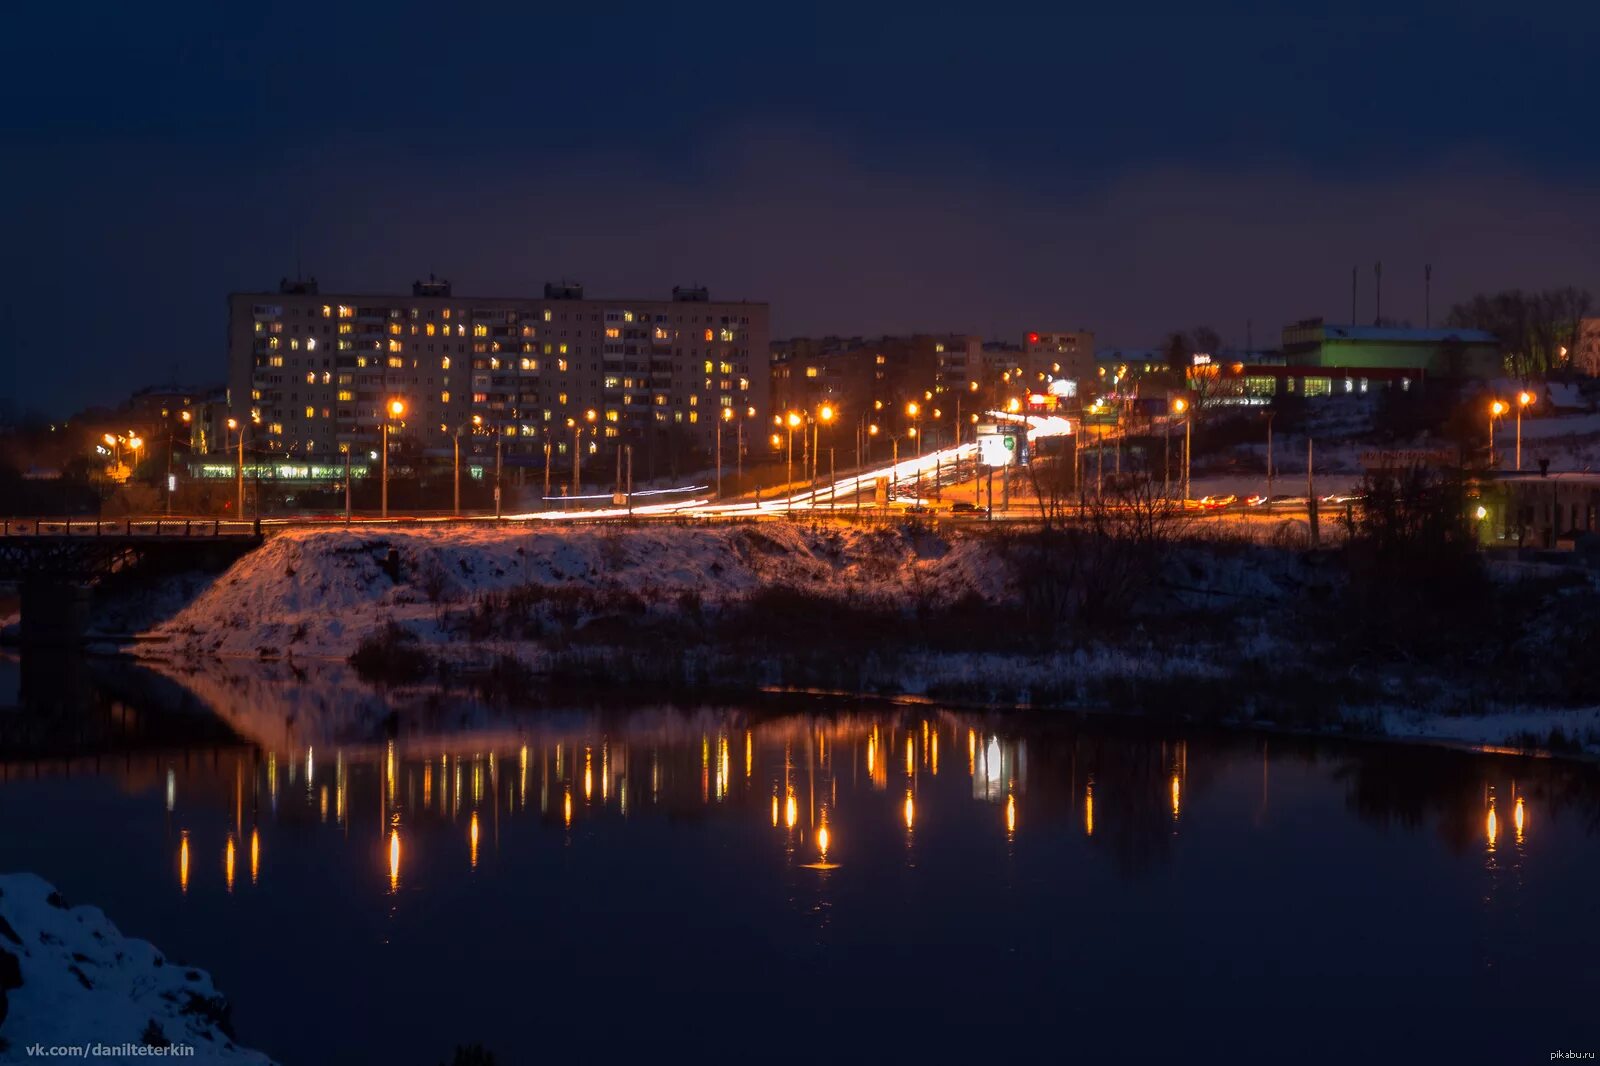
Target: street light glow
(397,408)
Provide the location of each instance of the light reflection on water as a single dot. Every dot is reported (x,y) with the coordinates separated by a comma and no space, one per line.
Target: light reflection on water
(831,846)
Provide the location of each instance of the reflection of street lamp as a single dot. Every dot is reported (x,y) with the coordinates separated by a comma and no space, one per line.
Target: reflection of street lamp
(1496,409)
(394,409)
(1524,399)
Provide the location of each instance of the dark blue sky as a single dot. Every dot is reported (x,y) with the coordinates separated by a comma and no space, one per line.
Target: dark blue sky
(862,170)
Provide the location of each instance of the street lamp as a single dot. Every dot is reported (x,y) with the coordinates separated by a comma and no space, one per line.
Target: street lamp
(393,409)
(1524,399)
(476,421)
(912,410)
(1496,409)
(727,416)
(238,470)
(185,417)
(1180,406)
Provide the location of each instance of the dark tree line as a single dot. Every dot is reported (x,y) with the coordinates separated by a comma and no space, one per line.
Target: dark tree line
(1537,329)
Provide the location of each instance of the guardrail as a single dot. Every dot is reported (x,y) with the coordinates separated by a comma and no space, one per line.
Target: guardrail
(210,528)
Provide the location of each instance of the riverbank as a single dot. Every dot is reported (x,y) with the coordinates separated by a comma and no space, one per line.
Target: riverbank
(1210,630)
(70,979)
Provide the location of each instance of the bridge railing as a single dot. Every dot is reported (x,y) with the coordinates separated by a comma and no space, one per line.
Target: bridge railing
(127,527)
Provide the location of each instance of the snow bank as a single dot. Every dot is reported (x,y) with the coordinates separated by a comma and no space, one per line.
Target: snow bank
(83,983)
(1511,727)
(315,593)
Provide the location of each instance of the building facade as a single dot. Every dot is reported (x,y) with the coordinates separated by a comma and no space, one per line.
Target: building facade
(1450,353)
(312,374)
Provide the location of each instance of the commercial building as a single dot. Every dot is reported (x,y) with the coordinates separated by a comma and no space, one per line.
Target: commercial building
(313,373)
(1541,509)
(1449,353)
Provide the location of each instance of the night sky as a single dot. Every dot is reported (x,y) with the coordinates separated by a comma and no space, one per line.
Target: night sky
(863,172)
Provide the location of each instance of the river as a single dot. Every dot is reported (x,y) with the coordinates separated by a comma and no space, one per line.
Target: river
(802,878)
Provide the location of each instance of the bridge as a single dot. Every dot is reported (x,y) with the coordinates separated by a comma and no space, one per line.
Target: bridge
(56,561)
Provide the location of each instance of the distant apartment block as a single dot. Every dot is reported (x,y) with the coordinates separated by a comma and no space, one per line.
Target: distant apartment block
(870,374)
(313,373)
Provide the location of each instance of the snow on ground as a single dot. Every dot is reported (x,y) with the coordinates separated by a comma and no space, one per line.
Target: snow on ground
(84,983)
(1512,727)
(315,593)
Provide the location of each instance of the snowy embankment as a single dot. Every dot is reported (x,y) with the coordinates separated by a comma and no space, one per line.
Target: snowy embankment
(317,593)
(70,980)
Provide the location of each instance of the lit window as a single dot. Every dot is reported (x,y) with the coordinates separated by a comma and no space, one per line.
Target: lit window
(311,344)
(444,364)
(327,312)
(480,330)
(311,377)
(547,316)
(708,334)
(311,412)
(613,332)
(428,329)
(444,397)
(563,352)
(530,364)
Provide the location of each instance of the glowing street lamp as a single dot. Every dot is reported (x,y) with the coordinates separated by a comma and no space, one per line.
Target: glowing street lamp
(392,410)
(793,421)
(1180,407)
(727,416)
(1524,399)
(1496,409)
(912,411)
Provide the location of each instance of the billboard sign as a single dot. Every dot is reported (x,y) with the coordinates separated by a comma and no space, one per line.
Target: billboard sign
(998,445)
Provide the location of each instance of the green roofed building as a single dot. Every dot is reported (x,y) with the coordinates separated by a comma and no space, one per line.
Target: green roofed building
(1447,353)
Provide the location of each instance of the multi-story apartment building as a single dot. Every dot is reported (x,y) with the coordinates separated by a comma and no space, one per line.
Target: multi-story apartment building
(314,373)
(862,373)
(1061,356)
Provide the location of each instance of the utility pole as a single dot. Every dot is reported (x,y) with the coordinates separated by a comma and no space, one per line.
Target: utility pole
(347,484)
(1269,462)
(629,448)
(456,439)
(1311,494)
(547,450)
(498,438)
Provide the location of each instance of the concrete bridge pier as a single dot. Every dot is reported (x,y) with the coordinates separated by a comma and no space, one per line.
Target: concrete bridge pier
(55,612)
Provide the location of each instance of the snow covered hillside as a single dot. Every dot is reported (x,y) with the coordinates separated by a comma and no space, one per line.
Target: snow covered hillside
(311,593)
(68,978)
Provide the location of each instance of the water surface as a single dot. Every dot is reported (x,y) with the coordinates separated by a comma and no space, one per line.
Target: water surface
(804,880)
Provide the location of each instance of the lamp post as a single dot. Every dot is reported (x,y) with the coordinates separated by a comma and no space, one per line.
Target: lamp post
(1496,409)
(185,417)
(727,414)
(912,411)
(792,422)
(577,431)
(1180,406)
(1524,399)
(233,423)
(476,421)
(825,417)
(393,409)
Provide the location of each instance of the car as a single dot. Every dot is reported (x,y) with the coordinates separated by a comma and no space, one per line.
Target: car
(1217,503)
(963,507)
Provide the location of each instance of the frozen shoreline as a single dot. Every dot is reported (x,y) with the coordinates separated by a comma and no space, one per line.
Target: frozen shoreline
(642,607)
(69,978)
